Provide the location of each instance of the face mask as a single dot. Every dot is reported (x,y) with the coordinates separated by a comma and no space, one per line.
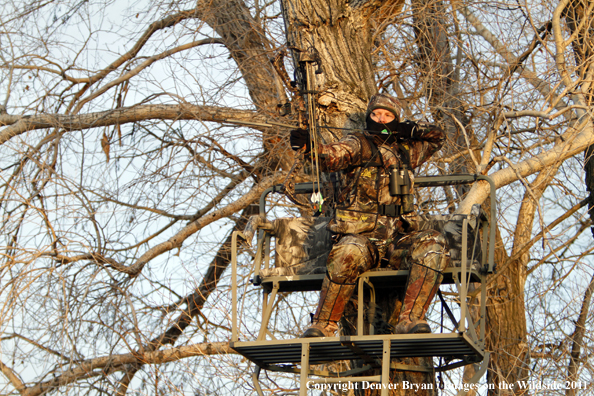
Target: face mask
(386,129)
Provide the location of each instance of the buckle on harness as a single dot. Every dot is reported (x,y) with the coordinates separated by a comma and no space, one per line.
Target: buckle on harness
(390,210)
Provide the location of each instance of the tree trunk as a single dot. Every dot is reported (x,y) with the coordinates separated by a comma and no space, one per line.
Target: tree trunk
(343,39)
(506,325)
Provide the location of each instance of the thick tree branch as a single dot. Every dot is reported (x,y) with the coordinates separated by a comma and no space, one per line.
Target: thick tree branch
(540,114)
(561,47)
(124,115)
(249,47)
(572,143)
(96,257)
(113,363)
(12,377)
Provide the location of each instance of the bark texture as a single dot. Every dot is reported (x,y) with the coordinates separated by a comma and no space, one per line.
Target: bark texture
(343,36)
(249,47)
(577,339)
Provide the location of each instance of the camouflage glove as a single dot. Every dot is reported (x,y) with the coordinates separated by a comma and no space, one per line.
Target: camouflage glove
(300,138)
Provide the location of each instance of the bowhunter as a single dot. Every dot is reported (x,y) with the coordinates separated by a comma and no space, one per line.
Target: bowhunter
(374,217)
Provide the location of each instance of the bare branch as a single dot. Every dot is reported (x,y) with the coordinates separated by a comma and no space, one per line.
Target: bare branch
(38,345)
(164,23)
(574,142)
(540,114)
(524,249)
(12,377)
(539,84)
(236,179)
(114,363)
(583,227)
(177,240)
(143,66)
(124,115)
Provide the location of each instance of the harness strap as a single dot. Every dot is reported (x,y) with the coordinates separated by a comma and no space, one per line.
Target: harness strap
(375,154)
(377,161)
(392,210)
(404,155)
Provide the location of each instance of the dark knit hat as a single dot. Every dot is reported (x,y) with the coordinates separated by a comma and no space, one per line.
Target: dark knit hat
(386,102)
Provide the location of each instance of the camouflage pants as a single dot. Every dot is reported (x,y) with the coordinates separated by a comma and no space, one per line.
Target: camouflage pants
(424,253)
(419,247)
(351,256)
(354,254)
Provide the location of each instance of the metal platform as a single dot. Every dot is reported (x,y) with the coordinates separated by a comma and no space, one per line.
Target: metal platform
(369,348)
(463,346)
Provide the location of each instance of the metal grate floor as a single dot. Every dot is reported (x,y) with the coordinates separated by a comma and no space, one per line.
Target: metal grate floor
(326,349)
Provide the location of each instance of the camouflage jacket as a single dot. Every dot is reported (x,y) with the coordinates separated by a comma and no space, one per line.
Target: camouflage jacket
(366,187)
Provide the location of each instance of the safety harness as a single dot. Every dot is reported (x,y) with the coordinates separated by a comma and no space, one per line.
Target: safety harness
(376,161)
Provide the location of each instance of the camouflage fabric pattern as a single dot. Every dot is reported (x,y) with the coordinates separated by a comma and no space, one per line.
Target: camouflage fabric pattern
(357,210)
(418,247)
(426,255)
(351,256)
(383,101)
(334,297)
(255,223)
(363,235)
(302,244)
(450,227)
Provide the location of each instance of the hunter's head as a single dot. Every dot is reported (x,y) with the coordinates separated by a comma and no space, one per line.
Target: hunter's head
(383,110)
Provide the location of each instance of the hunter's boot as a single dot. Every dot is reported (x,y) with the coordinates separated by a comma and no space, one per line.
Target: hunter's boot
(430,257)
(421,287)
(333,298)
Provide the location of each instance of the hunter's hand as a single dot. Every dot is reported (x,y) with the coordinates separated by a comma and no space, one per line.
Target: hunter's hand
(300,138)
(405,130)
